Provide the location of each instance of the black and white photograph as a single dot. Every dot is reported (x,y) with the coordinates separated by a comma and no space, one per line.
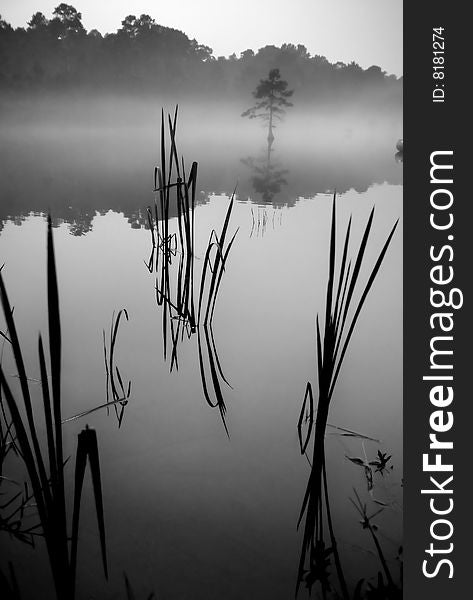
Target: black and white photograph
(201,289)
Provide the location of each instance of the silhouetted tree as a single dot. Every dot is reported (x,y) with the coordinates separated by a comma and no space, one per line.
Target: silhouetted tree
(247,54)
(4,26)
(129,26)
(38,21)
(272,96)
(67,21)
(135,27)
(55,52)
(201,52)
(95,33)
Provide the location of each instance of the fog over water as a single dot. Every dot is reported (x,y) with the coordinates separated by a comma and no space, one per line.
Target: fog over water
(191,512)
(82,154)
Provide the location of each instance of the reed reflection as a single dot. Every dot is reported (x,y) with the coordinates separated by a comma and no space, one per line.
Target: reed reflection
(172,260)
(341,315)
(42,450)
(267,175)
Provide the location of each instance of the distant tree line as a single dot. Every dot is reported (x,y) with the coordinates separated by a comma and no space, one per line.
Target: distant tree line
(59,54)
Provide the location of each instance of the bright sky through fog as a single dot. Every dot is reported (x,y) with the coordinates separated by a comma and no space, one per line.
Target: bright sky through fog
(366,31)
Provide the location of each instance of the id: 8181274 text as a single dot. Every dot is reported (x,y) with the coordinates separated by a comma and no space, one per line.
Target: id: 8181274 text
(438,64)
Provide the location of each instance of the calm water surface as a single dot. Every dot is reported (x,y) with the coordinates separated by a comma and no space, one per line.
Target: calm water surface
(190,512)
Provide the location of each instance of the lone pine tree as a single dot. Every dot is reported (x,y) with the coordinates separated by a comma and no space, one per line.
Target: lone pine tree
(272,100)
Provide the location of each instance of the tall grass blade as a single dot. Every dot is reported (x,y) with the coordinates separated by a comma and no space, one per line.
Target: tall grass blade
(366,290)
(93,452)
(24,444)
(332,344)
(55,357)
(84,413)
(53,467)
(302,417)
(11,327)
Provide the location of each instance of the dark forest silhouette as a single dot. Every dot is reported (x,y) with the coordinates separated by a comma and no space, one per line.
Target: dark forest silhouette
(59,54)
(55,57)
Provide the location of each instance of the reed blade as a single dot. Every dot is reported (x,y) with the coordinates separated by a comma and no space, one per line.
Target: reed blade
(53,468)
(55,356)
(38,463)
(308,396)
(366,290)
(24,444)
(93,452)
(354,277)
(107,405)
(129,591)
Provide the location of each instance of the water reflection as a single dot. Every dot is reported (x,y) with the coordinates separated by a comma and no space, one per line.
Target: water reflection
(117,391)
(219,507)
(76,173)
(172,479)
(261,216)
(175,285)
(332,341)
(268,176)
(42,450)
(211,372)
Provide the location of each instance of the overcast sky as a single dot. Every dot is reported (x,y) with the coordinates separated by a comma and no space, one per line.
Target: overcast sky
(366,31)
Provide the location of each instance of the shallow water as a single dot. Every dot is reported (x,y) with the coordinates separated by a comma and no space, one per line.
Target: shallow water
(190,512)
